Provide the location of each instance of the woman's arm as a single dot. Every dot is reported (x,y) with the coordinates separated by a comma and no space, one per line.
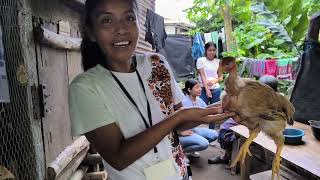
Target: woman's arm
(205,82)
(216,116)
(203,78)
(120,152)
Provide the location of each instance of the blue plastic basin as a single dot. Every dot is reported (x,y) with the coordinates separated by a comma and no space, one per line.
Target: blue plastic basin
(293,135)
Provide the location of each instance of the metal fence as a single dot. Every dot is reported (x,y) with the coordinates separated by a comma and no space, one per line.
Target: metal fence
(17,152)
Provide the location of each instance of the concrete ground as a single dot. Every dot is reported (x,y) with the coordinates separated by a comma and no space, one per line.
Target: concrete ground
(201,170)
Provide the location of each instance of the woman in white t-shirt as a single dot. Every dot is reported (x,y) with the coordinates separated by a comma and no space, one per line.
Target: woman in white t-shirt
(210,75)
(124,103)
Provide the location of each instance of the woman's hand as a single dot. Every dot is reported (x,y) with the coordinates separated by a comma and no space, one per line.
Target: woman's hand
(203,116)
(215,81)
(208,93)
(217,118)
(186,133)
(212,82)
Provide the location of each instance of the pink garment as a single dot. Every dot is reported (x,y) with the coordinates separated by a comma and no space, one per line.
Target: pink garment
(290,70)
(271,67)
(284,71)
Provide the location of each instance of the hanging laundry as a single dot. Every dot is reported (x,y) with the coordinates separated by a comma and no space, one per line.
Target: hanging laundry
(258,67)
(252,71)
(155,31)
(247,68)
(262,67)
(220,48)
(295,67)
(207,37)
(243,67)
(271,67)
(252,68)
(222,35)
(255,68)
(282,69)
(197,47)
(290,67)
(215,39)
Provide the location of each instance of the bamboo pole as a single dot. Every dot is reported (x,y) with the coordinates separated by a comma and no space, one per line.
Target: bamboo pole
(66,156)
(55,40)
(67,172)
(96,176)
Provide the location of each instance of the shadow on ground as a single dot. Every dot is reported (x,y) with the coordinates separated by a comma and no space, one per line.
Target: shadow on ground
(203,171)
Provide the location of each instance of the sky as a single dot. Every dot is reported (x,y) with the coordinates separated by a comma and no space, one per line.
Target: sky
(173,9)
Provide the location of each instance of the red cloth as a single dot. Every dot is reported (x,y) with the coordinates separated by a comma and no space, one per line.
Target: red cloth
(271,67)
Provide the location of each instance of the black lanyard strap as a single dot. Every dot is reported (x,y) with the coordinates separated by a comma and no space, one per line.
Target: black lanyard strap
(145,94)
(135,104)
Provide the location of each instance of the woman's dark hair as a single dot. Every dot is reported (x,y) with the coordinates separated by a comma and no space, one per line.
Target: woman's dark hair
(91,52)
(208,45)
(190,83)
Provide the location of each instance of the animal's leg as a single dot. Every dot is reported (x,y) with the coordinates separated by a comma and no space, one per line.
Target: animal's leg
(277,159)
(245,147)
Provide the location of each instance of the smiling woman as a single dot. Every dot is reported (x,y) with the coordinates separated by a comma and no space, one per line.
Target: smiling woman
(124,103)
(117,30)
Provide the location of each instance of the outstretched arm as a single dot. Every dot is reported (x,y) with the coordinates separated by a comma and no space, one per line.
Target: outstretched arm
(120,152)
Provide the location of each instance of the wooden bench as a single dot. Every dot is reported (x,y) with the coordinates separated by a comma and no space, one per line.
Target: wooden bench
(305,158)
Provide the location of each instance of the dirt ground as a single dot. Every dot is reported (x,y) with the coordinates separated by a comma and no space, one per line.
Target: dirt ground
(203,171)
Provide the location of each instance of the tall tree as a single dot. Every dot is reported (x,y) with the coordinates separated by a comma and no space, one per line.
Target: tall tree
(228,25)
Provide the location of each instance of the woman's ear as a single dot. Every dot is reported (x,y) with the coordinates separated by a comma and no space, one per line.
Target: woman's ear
(189,90)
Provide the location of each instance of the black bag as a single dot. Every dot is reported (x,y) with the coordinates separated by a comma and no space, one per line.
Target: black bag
(306,93)
(178,54)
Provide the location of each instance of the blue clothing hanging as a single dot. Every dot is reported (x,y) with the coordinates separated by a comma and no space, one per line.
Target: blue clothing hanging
(198,47)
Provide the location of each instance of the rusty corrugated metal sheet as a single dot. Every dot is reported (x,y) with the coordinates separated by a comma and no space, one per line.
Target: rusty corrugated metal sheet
(144,46)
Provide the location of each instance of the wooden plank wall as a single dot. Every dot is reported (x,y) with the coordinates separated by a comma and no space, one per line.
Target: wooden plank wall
(144,46)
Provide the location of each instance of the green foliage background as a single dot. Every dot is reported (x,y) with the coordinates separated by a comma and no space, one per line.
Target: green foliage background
(262,28)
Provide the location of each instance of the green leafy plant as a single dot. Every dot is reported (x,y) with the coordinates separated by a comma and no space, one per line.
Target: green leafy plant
(284,87)
(262,28)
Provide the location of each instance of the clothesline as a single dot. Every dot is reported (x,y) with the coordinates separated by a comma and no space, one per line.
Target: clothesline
(199,40)
(284,68)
